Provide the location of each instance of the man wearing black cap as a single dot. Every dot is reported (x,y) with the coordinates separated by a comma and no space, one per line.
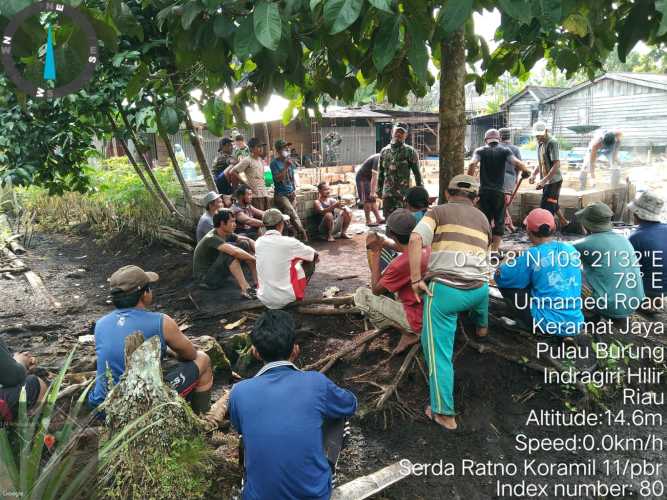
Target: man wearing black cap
(221,166)
(396,161)
(492,159)
(284,194)
(405,312)
(252,168)
(132,294)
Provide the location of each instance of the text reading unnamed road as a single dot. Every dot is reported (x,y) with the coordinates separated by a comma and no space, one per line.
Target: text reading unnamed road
(614,451)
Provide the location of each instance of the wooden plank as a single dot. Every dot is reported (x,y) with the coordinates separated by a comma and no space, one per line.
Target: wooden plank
(367,486)
(40,290)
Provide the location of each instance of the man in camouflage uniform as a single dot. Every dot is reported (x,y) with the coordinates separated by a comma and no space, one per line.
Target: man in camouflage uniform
(396,161)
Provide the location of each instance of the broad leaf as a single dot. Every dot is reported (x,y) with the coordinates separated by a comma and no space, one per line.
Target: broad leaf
(224,27)
(661,6)
(385,45)
(577,24)
(169,120)
(517,9)
(550,9)
(136,82)
(292,6)
(340,14)
(314,3)
(454,14)
(417,53)
(190,12)
(245,42)
(384,5)
(267,24)
(217,114)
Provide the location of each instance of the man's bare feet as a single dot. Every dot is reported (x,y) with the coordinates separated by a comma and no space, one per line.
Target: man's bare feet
(407,340)
(445,421)
(345,236)
(331,238)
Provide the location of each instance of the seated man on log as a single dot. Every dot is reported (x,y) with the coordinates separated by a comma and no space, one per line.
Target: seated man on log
(284,264)
(333,218)
(212,203)
(221,253)
(542,286)
(292,422)
(611,271)
(248,218)
(650,242)
(405,314)
(14,376)
(132,294)
(458,281)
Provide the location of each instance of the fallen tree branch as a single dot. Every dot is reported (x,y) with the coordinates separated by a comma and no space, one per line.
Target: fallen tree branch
(17,270)
(216,415)
(389,390)
(326,311)
(335,301)
(72,389)
(330,360)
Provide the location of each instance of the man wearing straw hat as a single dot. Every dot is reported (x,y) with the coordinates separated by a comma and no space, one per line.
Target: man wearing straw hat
(650,241)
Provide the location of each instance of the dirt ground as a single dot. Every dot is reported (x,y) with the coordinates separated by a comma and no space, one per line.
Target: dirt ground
(493,396)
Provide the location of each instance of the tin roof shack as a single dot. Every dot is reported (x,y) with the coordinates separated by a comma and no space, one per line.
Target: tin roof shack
(522,110)
(634,103)
(477,127)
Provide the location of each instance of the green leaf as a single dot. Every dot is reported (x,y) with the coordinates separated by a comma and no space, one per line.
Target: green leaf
(384,5)
(136,82)
(267,24)
(292,6)
(190,12)
(454,14)
(217,114)
(386,42)
(11,7)
(245,43)
(661,6)
(517,9)
(224,27)
(169,120)
(417,53)
(314,4)
(577,24)
(340,14)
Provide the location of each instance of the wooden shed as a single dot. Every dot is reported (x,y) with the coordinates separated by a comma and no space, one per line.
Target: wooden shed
(634,103)
(523,109)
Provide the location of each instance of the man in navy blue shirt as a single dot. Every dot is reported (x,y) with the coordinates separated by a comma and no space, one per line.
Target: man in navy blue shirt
(284,194)
(285,417)
(650,242)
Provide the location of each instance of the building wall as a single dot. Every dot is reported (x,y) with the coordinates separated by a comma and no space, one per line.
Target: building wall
(637,111)
(519,115)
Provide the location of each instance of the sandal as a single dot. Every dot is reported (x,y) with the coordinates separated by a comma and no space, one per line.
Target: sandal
(249,293)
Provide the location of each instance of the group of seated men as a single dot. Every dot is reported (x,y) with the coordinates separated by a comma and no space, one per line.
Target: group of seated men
(293,422)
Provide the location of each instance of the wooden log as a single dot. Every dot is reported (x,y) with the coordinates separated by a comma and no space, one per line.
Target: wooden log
(219,362)
(40,290)
(68,391)
(216,415)
(330,360)
(371,484)
(17,270)
(179,235)
(16,247)
(174,241)
(326,311)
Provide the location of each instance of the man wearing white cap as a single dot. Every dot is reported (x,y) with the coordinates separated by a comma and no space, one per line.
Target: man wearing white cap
(212,204)
(548,166)
(650,241)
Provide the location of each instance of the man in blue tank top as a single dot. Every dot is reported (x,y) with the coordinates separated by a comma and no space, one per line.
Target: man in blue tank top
(131,293)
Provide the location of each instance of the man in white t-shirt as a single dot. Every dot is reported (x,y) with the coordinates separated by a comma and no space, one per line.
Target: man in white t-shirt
(284,264)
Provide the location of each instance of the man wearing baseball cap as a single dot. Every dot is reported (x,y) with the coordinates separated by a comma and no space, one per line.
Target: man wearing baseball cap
(284,264)
(404,312)
(284,193)
(455,281)
(250,169)
(221,166)
(650,241)
(132,294)
(611,271)
(212,204)
(491,160)
(396,162)
(542,286)
(548,166)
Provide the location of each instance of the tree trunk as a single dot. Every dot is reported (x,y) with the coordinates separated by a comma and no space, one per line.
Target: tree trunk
(130,156)
(199,151)
(452,109)
(158,189)
(189,204)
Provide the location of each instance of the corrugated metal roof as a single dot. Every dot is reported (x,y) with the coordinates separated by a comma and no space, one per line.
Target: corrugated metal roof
(540,93)
(353,113)
(652,80)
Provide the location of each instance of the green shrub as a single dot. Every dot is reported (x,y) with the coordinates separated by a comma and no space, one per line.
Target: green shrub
(117,202)
(531,145)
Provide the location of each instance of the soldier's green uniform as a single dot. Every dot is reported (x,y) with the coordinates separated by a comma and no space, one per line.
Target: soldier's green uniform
(396,162)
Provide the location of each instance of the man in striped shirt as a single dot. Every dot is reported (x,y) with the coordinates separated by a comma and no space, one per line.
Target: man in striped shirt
(456,280)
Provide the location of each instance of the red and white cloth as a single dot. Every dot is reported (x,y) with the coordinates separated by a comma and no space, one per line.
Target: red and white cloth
(279,271)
